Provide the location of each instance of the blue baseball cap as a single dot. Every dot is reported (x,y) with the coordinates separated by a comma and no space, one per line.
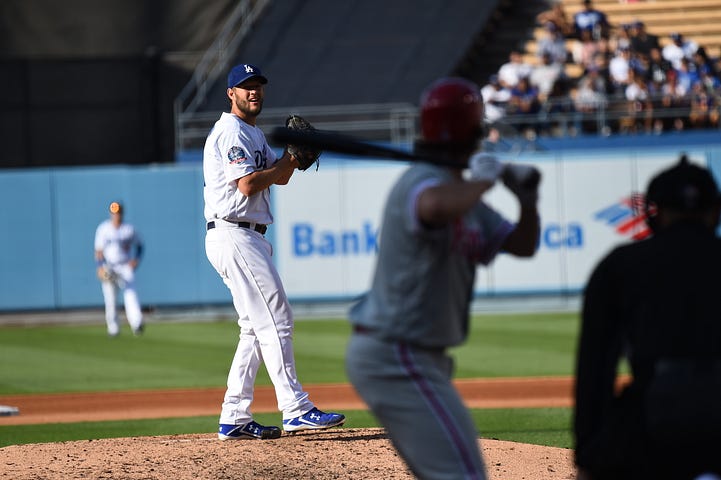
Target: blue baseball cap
(240,73)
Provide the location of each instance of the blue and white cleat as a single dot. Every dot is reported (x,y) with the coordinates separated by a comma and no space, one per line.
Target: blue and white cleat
(249,431)
(314,420)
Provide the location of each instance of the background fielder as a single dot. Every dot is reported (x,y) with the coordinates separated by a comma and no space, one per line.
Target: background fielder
(118,249)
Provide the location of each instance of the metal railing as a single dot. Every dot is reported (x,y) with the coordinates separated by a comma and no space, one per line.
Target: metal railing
(214,61)
(560,117)
(394,122)
(397,122)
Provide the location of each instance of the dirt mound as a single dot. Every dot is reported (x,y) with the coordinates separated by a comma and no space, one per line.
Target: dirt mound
(332,454)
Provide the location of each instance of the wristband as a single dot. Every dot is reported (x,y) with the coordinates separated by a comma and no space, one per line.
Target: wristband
(99,263)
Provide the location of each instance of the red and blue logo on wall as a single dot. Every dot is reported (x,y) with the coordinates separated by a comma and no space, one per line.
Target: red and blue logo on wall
(627,217)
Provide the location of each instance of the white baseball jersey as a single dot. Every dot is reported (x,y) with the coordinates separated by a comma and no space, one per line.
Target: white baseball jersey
(119,245)
(233,150)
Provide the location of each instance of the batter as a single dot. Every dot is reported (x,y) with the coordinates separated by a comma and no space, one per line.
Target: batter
(435,231)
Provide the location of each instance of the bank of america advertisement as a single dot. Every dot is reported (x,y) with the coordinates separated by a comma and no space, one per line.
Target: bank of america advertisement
(327,222)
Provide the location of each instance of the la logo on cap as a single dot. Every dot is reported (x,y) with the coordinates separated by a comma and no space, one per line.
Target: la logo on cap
(248,68)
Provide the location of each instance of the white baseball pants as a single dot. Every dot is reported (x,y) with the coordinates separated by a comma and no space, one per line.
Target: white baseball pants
(125,281)
(242,258)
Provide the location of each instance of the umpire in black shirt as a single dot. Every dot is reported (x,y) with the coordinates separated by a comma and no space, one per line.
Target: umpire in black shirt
(656,303)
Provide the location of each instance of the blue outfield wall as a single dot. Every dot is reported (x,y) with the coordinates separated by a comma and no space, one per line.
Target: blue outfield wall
(49,218)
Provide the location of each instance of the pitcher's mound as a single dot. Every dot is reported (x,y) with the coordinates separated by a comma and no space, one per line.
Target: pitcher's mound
(341,453)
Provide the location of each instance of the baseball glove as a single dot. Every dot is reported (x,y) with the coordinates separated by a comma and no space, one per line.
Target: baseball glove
(305,156)
(106,275)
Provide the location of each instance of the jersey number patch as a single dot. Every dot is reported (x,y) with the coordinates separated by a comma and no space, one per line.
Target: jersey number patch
(261,162)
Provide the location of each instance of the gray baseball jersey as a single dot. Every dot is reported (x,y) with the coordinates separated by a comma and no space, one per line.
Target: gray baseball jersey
(424,278)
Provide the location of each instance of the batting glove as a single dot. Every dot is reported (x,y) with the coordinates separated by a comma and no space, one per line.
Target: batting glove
(485,167)
(523,181)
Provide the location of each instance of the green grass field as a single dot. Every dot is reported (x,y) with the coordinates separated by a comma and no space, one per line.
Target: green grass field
(48,359)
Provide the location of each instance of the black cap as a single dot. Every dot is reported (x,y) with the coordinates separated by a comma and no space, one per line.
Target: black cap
(684,187)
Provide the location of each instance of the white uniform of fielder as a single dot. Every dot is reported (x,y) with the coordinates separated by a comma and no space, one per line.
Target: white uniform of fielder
(118,248)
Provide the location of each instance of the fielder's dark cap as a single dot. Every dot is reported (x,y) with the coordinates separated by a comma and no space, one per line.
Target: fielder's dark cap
(684,187)
(240,73)
(115,207)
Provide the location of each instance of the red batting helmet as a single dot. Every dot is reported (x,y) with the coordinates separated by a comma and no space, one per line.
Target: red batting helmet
(451,112)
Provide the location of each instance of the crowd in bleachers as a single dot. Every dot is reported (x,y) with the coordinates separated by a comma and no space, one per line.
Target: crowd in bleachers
(625,80)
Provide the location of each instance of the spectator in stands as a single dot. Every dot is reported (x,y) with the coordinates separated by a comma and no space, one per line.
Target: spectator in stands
(620,38)
(557,15)
(678,49)
(642,42)
(557,111)
(553,44)
(600,63)
(675,101)
(704,62)
(658,67)
(494,142)
(585,49)
(618,68)
(511,71)
(524,102)
(588,99)
(599,78)
(704,111)
(589,17)
(639,107)
(655,91)
(495,99)
(545,76)
(687,74)
(710,83)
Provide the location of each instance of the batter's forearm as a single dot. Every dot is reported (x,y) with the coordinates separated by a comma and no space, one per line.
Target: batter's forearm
(523,240)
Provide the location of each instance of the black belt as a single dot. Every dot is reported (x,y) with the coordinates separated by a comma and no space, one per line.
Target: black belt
(258,227)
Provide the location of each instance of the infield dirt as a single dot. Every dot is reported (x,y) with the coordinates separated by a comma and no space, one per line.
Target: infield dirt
(340,453)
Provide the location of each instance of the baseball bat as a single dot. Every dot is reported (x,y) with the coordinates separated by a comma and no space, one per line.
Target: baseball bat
(339,143)
(346,144)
